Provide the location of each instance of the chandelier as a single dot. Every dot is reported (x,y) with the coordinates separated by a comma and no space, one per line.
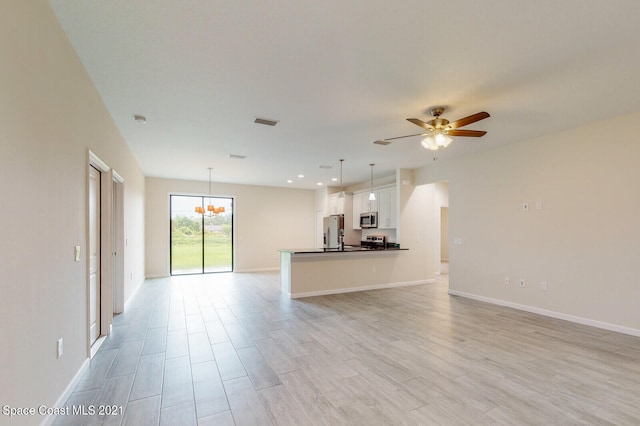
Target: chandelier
(211,209)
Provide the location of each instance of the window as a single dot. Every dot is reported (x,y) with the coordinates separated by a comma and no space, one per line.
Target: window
(200,243)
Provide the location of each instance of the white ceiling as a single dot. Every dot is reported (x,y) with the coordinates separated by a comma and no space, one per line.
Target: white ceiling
(339,74)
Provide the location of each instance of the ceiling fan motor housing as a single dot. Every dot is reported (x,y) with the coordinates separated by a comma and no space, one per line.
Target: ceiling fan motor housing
(439,123)
(437,111)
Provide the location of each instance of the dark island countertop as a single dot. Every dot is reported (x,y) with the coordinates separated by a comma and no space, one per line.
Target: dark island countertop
(347,249)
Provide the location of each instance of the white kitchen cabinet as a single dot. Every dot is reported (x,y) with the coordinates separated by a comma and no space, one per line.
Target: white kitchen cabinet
(337,205)
(359,206)
(387,207)
(365,204)
(372,206)
(385,204)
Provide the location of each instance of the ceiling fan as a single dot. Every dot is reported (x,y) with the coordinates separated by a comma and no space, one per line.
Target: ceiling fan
(439,130)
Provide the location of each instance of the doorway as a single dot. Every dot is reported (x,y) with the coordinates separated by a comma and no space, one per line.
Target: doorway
(94,253)
(444,240)
(200,243)
(442,215)
(105,249)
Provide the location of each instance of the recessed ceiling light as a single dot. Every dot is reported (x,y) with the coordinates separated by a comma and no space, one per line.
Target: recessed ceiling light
(319,183)
(266,121)
(140,119)
(300,176)
(289,181)
(334,179)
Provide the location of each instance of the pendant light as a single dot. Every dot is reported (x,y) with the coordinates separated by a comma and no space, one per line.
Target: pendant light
(210,207)
(341,194)
(372,196)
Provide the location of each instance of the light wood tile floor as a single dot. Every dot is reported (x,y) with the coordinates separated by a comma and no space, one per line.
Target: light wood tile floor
(231,349)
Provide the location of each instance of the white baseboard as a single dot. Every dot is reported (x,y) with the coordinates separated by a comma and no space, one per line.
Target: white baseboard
(67,392)
(362,288)
(241,271)
(248,271)
(151,276)
(131,296)
(547,313)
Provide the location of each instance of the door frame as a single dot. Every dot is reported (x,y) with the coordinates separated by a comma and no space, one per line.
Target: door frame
(95,257)
(111,243)
(118,242)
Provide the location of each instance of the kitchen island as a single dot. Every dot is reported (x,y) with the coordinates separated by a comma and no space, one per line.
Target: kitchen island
(315,272)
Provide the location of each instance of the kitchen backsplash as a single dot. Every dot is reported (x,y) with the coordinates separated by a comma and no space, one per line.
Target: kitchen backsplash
(390,234)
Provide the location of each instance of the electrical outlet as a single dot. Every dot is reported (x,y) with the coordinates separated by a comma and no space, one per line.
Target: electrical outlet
(60,348)
(543,286)
(506,280)
(522,283)
(539,205)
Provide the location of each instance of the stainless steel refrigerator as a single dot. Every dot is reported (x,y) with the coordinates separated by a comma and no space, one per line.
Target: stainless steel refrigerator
(334,231)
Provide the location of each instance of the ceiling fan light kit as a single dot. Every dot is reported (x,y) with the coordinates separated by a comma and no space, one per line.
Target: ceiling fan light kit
(439,130)
(440,140)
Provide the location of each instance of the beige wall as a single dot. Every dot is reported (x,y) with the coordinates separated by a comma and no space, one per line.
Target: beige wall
(418,225)
(584,243)
(444,233)
(50,116)
(266,219)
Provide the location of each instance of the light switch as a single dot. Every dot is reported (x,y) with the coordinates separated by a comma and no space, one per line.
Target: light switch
(457,241)
(77,253)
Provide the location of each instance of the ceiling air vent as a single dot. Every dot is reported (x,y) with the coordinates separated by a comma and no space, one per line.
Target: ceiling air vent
(237,156)
(265,121)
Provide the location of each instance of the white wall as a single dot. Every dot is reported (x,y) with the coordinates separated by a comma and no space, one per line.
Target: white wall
(50,116)
(585,242)
(266,219)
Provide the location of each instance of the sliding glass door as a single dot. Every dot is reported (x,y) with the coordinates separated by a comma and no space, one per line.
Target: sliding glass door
(201,242)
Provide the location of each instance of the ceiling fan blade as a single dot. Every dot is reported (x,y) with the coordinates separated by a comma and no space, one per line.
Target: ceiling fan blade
(470,133)
(421,123)
(387,141)
(468,120)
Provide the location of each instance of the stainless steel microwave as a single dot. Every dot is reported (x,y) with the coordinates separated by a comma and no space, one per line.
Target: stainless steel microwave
(369,220)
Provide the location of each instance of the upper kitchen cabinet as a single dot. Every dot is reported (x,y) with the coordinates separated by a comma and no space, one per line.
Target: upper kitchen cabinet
(385,204)
(387,207)
(338,205)
(358,207)
(361,204)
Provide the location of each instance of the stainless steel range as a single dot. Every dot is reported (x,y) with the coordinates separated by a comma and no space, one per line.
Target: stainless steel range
(377,242)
